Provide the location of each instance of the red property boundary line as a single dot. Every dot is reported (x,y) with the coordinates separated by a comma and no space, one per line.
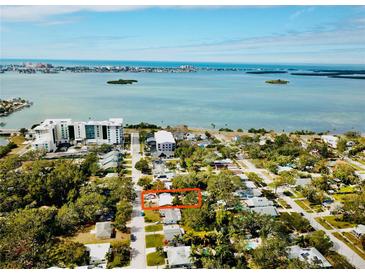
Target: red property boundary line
(198,205)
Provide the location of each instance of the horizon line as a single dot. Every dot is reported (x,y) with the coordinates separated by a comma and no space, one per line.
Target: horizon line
(181,61)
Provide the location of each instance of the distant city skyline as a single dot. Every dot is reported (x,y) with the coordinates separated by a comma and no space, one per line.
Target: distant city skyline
(239,34)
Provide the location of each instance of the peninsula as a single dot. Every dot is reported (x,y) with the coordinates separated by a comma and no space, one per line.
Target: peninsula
(122,82)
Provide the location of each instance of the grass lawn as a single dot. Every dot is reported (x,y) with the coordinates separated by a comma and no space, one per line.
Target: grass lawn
(305,205)
(354,240)
(284,204)
(338,261)
(152,216)
(298,194)
(18,140)
(85,237)
(360,161)
(355,166)
(155,258)
(337,224)
(153,228)
(342,197)
(323,223)
(347,189)
(154,240)
(350,244)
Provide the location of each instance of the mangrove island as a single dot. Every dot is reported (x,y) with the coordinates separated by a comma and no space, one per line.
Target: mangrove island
(278,81)
(121,82)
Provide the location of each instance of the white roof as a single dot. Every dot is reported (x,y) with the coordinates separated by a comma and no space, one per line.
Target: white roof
(164,136)
(310,255)
(268,210)
(284,168)
(360,229)
(98,251)
(103,229)
(179,255)
(165,199)
(302,181)
(250,184)
(171,215)
(111,175)
(243,177)
(171,231)
(258,202)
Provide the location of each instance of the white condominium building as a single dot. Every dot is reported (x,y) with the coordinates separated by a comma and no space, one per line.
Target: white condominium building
(53,132)
(165,143)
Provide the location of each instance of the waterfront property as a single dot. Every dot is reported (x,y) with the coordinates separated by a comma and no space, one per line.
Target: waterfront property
(54,132)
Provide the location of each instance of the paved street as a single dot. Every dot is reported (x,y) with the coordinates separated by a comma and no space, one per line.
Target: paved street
(356,163)
(137,222)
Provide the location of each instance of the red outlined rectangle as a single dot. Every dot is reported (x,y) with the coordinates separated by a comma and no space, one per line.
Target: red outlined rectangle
(198,190)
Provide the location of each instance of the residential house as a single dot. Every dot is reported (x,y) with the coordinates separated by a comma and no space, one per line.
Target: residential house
(178,257)
(103,230)
(359,231)
(330,140)
(171,231)
(302,181)
(268,210)
(259,202)
(165,144)
(98,253)
(170,216)
(111,159)
(165,199)
(310,255)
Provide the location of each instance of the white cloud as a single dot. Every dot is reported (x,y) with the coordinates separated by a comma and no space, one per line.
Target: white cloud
(300,12)
(42,13)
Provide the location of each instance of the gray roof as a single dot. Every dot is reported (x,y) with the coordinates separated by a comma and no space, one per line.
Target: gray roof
(302,181)
(178,256)
(170,231)
(268,210)
(259,202)
(171,216)
(103,230)
(310,255)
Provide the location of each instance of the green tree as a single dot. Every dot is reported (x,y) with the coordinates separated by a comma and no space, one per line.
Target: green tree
(320,241)
(123,215)
(345,173)
(143,166)
(67,219)
(272,253)
(145,182)
(68,254)
(25,237)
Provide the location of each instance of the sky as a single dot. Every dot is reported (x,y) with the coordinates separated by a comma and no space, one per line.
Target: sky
(238,34)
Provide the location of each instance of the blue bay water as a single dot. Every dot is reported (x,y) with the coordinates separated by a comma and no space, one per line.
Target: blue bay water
(227,99)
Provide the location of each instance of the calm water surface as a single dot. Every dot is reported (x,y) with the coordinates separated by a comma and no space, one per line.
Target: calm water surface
(232,99)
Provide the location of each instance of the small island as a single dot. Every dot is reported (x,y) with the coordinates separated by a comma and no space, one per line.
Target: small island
(278,81)
(9,106)
(121,82)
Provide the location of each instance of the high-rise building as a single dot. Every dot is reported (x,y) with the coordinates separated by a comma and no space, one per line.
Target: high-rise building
(54,132)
